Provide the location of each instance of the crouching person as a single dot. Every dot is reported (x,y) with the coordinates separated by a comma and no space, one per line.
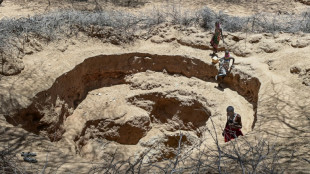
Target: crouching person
(224,68)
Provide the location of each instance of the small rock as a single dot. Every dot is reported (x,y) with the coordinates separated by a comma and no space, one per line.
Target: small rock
(268,35)
(295,70)
(157,39)
(62,48)
(99,94)
(306,82)
(28,51)
(276,35)
(241,50)
(72,42)
(255,38)
(269,46)
(300,43)
(237,36)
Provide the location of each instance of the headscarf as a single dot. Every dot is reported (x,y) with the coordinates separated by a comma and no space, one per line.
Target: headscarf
(227,54)
(230,109)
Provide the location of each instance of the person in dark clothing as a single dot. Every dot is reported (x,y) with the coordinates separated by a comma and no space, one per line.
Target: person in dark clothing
(233,125)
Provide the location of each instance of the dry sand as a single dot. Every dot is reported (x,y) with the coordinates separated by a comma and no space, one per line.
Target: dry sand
(97,97)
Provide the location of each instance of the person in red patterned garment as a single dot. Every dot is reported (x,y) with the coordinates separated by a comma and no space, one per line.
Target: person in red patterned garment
(218,35)
(233,125)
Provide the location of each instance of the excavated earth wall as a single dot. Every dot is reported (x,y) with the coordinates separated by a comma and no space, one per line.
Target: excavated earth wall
(71,88)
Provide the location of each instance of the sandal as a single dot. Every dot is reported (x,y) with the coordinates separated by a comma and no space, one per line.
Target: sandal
(28,154)
(30,160)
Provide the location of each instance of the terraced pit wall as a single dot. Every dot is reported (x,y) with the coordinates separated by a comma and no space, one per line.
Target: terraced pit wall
(107,70)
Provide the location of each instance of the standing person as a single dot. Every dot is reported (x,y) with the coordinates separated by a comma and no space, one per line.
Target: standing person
(224,68)
(218,35)
(233,125)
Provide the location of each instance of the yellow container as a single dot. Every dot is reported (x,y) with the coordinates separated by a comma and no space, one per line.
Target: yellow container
(215,59)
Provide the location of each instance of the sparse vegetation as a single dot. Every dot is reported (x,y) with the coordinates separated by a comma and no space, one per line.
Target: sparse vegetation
(121,27)
(9,163)
(68,23)
(237,156)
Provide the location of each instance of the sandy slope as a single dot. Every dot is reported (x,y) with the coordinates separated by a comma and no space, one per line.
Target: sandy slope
(283,100)
(9,9)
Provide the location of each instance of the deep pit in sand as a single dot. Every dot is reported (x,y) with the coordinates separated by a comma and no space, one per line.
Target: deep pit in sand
(129,99)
